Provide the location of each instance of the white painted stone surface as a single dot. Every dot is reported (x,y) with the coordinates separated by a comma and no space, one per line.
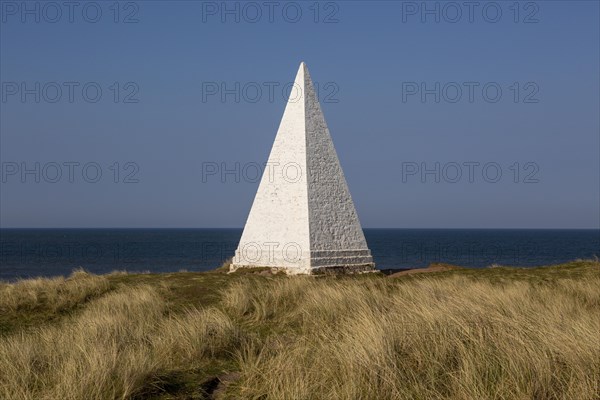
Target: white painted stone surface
(303,219)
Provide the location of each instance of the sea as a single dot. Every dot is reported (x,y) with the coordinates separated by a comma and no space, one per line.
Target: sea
(26,253)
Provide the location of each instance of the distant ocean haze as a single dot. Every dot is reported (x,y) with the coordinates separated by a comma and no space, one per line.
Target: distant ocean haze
(49,252)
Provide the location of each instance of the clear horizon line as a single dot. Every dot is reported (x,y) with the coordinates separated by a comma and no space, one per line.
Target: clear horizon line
(412,228)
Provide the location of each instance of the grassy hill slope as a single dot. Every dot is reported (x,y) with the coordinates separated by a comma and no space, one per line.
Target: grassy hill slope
(494,333)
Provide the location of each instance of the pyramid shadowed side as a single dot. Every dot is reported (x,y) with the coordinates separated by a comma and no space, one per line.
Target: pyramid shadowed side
(336,236)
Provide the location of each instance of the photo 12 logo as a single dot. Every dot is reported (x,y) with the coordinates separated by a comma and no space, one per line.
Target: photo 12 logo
(252,12)
(69,92)
(432,251)
(119,254)
(68,171)
(250,172)
(254,92)
(52,12)
(469,172)
(268,253)
(453,12)
(469,92)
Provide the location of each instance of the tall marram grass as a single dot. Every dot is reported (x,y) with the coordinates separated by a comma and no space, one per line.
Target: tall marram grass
(51,294)
(118,348)
(444,337)
(424,339)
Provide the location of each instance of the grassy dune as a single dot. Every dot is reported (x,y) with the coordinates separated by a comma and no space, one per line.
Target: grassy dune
(497,333)
(33,301)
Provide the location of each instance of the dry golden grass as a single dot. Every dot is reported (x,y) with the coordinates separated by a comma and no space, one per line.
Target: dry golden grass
(427,339)
(490,334)
(119,347)
(51,294)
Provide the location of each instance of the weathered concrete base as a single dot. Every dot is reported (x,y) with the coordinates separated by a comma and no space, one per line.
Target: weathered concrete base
(330,270)
(318,262)
(344,269)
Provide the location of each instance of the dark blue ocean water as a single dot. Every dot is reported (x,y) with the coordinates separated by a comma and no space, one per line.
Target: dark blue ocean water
(49,252)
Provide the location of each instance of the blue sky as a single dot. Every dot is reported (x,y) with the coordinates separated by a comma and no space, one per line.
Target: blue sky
(394,87)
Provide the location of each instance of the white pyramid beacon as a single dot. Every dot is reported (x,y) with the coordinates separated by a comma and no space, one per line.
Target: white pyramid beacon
(303,220)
